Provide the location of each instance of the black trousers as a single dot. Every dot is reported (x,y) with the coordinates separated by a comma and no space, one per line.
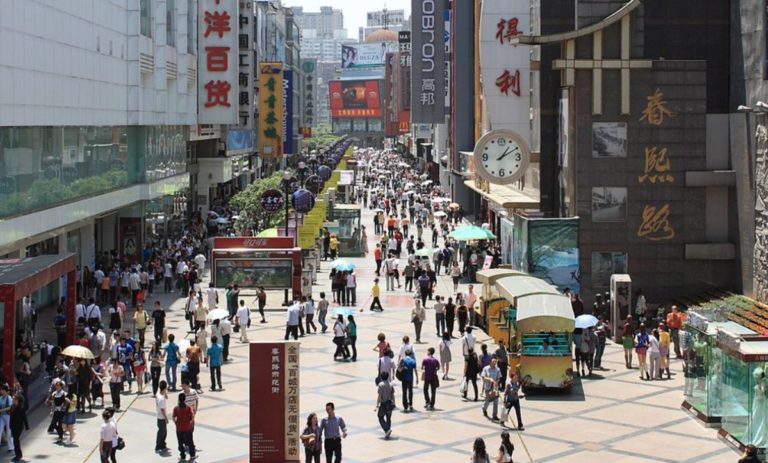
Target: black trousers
(292,330)
(225,348)
(185,440)
(162,433)
(16,434)
(333,447)
(154,373)
(407,388)
(430,386)
(341,350)
(215,376)
(194,372)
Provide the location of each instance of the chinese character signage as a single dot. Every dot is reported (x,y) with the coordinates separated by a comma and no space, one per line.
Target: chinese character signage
(275,425)
(288,111)
(655,220)
(505,67)
(271,103)
(217,65)
(428,61)
(246,64)
(307,87)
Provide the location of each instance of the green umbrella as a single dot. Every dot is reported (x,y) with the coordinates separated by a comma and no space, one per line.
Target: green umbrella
(471,232)
(424,252)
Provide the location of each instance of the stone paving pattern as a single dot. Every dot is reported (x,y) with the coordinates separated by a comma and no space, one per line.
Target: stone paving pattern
(612,417)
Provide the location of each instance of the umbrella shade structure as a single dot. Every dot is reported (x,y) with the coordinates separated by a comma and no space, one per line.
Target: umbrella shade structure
(471,232)
(78,352)
(218,314)
(426,183)
(424,252)
(213,214)
(586,321)
(378,209)
(343,265)
(440,214)
(454,205)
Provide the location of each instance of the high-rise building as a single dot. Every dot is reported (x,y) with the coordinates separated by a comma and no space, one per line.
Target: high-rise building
(322,36)
(394,20)
(94,127)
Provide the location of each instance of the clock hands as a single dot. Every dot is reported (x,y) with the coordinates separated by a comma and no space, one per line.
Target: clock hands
(503,155)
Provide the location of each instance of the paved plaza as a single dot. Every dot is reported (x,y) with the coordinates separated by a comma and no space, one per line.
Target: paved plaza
(611,417)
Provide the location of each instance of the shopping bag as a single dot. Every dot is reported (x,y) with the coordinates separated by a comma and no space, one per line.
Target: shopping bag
(504,414)
(463,387)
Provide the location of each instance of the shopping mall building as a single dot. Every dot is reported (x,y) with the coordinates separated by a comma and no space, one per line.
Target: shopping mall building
(95,114)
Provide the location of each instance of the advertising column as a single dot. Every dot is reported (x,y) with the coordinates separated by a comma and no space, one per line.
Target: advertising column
(275,426)
(271,110)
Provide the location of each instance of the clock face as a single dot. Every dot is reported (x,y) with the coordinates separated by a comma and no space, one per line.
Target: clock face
(501,157)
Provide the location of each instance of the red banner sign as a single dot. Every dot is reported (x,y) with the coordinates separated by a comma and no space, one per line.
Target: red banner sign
(275,424)
(226,242)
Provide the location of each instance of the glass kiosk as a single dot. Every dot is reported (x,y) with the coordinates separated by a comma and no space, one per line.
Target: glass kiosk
(744,389)
(704,362)
(348,218)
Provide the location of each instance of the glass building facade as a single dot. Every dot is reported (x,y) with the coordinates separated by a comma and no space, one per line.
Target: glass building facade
(42,167)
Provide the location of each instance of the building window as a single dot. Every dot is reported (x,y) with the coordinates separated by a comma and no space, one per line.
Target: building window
(146,18)
(170,22)
(191,28)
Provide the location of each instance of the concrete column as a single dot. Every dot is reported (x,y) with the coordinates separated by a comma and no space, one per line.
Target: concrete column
(88,246)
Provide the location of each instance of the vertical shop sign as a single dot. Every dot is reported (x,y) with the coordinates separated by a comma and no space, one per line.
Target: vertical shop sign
(217,69)
(308,88)
(271,103)
(288,111)
(428,62)
(274,398)
(245,65)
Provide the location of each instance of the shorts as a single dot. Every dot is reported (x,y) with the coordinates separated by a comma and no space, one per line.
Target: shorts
(70,418)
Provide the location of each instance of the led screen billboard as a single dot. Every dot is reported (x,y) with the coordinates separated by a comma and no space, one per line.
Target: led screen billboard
(355,98)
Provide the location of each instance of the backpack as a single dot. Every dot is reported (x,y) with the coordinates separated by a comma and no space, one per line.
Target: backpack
(400,371)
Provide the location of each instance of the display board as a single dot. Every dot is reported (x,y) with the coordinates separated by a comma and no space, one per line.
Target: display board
(252,273)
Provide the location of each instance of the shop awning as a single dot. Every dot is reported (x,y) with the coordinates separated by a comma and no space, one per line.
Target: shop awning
(517,286)
(544,305)
(505,196)
(491,275)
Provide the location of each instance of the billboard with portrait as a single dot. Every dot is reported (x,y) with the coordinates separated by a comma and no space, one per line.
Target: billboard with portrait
(365,55)
(252,273)
(355,98)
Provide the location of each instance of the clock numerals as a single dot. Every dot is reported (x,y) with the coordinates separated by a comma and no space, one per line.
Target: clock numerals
(485,156)
(501,173)
(518,157)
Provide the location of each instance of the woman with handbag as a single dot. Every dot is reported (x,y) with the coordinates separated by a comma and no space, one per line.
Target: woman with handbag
(109,437)
(139,367)
(351,340)
(310,437)
(512,400)
(189,310)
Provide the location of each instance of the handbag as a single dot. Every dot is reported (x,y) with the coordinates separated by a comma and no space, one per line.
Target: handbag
(236,328)
(187,315)
(464,384)
(120,443)
(400,372)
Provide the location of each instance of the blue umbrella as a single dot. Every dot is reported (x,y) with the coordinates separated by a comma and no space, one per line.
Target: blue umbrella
(586,321)
(342,265)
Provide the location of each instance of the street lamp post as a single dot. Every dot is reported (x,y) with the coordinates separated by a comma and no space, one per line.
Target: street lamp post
(287,189)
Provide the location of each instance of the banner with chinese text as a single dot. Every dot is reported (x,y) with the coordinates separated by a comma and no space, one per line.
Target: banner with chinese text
(271,131)
(217,65)
(275,425)
(428,62)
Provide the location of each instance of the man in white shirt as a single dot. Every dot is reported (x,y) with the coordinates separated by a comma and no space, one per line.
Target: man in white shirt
(392,245)
(79,310)
(243,316)
(351,289)
(467,341)
(213,296)
(168,277)
(134,283)
(390,265)
(200,261)
(93,313)
(225,326)
(162,418)
(292,321)
(439,316)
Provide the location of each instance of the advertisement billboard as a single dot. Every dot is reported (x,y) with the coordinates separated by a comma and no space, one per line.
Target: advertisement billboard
(355,98)
(428,62)
(217,62)
(275,428)
(288,111)
(553,252)
(270,110)
(252,273)
(307,89)
(365,55)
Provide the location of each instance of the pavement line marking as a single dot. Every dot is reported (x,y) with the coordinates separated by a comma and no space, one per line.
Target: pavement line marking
(122,414)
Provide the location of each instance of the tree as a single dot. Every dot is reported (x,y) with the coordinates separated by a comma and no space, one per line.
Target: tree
(248,203)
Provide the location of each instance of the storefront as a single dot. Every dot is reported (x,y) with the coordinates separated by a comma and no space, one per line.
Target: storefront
(22,277)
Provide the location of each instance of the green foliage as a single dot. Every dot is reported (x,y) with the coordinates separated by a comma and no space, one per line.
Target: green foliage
(248,203)
(43,192)
(320,140)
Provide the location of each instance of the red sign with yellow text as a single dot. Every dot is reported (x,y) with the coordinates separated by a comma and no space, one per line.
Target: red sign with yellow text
(356,98)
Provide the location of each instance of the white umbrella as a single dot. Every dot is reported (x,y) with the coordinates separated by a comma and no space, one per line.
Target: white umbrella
(440,214)
(218,314)
(426,183)
(222,220)
(585,321)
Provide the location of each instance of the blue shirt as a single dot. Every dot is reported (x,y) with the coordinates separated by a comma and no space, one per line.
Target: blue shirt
(124,353)
(171,354)
(333,427)
(410,365)
(214,354)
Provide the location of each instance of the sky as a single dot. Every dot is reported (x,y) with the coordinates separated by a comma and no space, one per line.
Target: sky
(354,10)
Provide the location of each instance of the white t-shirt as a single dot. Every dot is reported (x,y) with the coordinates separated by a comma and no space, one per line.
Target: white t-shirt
(160,405)
(168,273)
(200,261)
(468,342)
(243,315)
(212,296)
(403,348)
(339,329)
(109,432)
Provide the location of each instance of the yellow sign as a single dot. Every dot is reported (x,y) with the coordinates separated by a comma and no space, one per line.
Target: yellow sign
(656,110)
(656,226)
(657,166)
(270,134)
